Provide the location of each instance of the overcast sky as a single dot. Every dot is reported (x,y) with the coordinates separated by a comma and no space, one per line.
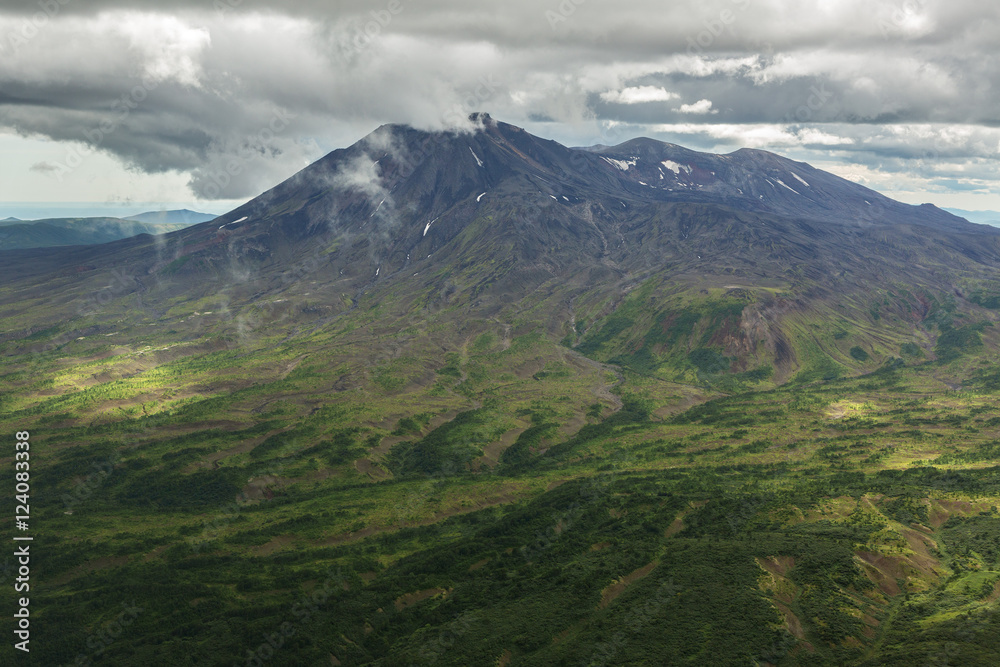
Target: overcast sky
(102,102)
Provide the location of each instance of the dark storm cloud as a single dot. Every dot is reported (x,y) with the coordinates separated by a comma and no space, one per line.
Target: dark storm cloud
(239,94)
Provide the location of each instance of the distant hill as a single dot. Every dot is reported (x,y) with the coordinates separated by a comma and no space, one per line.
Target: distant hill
(10,220)
(73,231)
(179,217)
(981,217)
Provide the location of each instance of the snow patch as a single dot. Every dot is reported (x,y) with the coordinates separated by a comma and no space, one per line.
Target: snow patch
(480,197)
(234,222)
(621,164)
(428,226)
(377,270)
(799,179)
(565,197)
(780,182)
(478,161)
(676,167)
(376,209)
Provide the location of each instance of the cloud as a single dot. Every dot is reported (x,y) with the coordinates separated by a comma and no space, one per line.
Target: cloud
(638,95)
(857,77)
(700,107)
(44,167)
(363,174)
(166,47)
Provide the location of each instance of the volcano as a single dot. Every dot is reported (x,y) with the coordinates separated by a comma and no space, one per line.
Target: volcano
(485,217)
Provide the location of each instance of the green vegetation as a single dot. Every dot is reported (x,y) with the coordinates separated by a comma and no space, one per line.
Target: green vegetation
(952,343)
(461,491)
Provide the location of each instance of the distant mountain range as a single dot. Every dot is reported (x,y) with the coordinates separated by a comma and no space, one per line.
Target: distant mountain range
(980,217)
(21,234)
(179,217)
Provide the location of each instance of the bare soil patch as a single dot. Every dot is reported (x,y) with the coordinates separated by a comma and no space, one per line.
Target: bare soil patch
(619,586)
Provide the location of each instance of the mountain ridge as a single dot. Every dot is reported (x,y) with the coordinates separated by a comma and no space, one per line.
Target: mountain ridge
(60,232)
(173,217)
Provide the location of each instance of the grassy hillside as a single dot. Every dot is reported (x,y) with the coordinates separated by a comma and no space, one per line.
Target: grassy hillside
(393,489)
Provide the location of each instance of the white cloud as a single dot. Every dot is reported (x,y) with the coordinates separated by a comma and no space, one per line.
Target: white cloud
(756,135)
(638,95)
(814,136)
(168,48)
(700,107)
(853,77)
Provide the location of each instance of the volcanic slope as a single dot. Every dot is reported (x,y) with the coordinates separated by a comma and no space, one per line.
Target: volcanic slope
(769,258)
